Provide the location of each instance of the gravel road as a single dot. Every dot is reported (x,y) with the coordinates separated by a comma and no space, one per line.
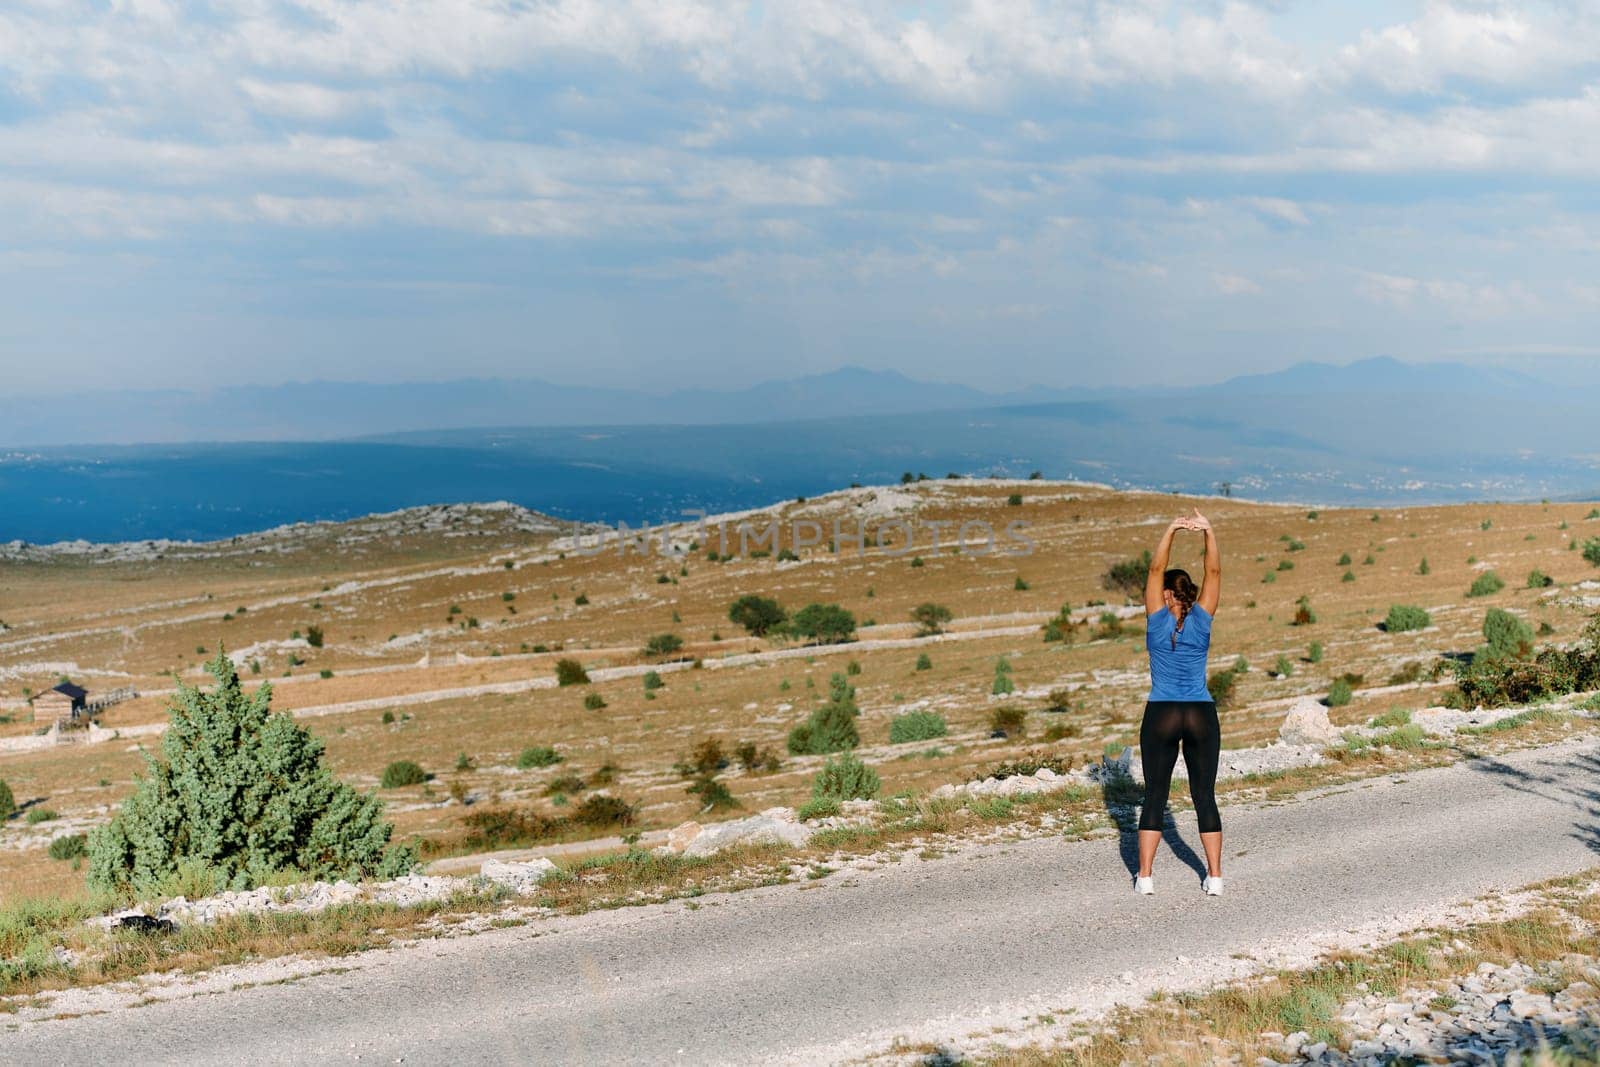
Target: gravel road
(820,971)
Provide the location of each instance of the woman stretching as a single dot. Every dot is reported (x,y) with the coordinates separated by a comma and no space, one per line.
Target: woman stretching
(1180,710)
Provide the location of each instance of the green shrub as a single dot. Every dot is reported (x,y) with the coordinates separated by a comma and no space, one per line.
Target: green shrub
(713,794)
(1486,584)
(1221,686)
(1013,722)
(1348,576)
(1283,668)
(1269,577)
(570,672)
(70,847)
(244,794)
(924,663)
(8,802)
(581,600)
(1002,678)
(652,681)
(823,623)
(1128,576)
(1422,568)
(757,614)
(1014,500)
(831,727)
(930,618)
(1020,585)
(1314,652)
(1538,579)
(39,815)
(402,773)
(846,778)
(314,636)
(1286,564)
(593,702)
(1340,693)
(663,645)
(1404,617)
(1344,559)
(538,756)
(1591,550)
(917,725)
(1508,637)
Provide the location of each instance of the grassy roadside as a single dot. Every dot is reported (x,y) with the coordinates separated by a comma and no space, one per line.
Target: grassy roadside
(44,944)
(1247,1021)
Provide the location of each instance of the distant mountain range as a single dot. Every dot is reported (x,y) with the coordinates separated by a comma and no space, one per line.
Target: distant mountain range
(320,411)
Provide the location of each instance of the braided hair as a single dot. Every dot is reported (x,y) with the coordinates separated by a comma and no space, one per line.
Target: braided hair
(1184,591)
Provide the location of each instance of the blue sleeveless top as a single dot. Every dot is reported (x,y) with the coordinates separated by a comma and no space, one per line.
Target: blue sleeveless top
(1178,673)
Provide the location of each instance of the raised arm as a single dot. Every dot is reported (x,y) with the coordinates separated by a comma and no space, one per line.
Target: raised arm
(1153,601)
(1211,586)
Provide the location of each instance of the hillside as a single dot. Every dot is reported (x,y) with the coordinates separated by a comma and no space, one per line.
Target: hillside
(440,630)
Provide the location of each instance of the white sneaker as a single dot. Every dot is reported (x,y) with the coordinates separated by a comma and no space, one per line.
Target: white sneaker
(1144,886)
(1212,886)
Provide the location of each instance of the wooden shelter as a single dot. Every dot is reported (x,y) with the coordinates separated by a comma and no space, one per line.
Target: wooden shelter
(65,704)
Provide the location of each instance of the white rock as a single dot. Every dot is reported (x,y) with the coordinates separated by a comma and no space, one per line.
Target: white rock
(773,826)
(1307,724)
(517,875)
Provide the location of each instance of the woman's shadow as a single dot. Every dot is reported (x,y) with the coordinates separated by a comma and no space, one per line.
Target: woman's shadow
(1122,797)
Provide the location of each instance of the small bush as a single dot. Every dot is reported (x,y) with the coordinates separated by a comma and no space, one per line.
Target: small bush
(846,778)
(917,725)
(713,794)
(388,718)
(663,645)
(924,663)
(538,756)
(314,636)
(1283,668)
(39,815)
(1020,585)
(930,618)
(1404,617)
(581,600)
(1591,550)
(1486,584)
(70,847)
(1059,731)
(1340,693)
(1013,722)
(1508,637)
(1014,500)
(402,773)
(1538,579)
(1286,564)
(1002,679)
(1303,615)
(1269,577)
(831,727)
(570,672)
(1314,652)
(563,784)
(593,702)
(1344,559)
(1221,686)
(1128,576)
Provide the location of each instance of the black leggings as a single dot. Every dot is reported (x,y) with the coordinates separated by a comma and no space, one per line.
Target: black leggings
(1166,723)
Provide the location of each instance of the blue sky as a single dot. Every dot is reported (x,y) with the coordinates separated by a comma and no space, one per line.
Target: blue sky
(995,192)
